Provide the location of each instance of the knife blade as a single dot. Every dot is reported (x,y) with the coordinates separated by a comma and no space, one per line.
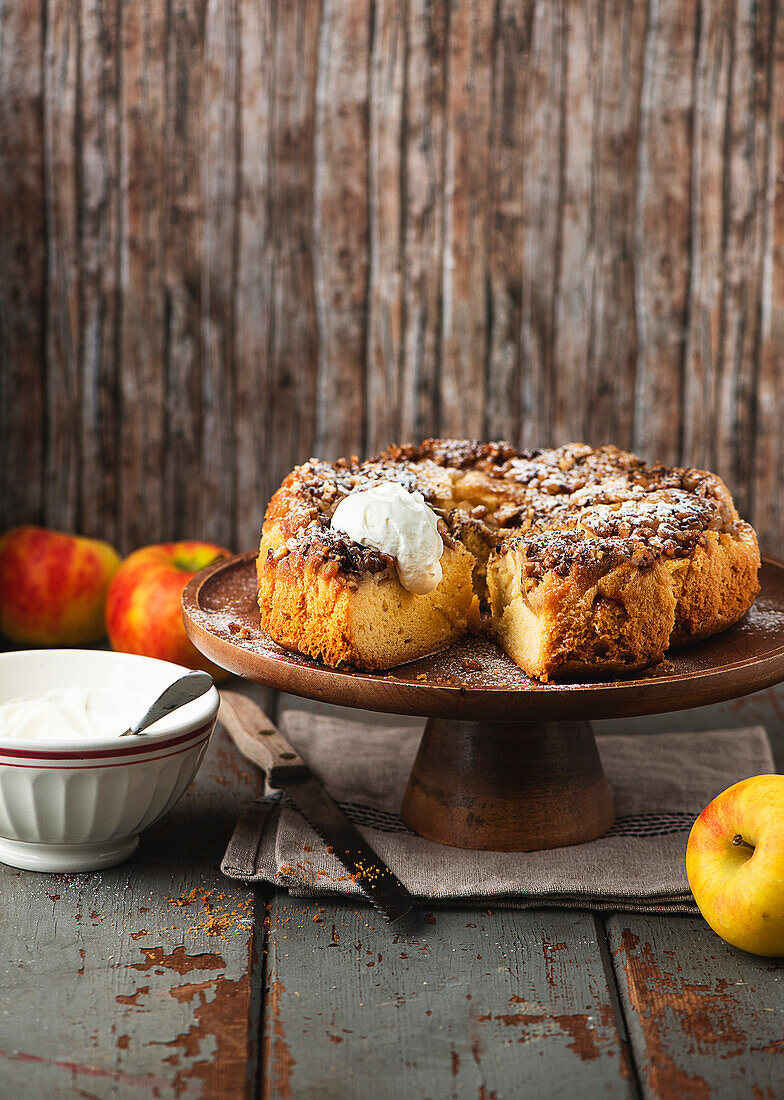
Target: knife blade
(261,742)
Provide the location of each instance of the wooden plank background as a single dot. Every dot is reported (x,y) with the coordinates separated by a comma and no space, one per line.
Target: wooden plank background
(236,233)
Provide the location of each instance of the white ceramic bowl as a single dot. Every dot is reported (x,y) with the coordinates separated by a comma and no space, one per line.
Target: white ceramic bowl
(80,805)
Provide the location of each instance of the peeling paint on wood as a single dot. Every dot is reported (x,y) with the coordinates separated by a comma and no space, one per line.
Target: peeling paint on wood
(705,1020)
(460,1004)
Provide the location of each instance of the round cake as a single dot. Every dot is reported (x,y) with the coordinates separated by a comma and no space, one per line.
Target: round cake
(578,560)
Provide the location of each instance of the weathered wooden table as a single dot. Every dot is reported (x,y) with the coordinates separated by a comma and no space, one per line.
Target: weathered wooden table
(162,978)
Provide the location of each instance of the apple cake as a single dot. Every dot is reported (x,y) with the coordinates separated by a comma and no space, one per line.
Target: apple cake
(579,560)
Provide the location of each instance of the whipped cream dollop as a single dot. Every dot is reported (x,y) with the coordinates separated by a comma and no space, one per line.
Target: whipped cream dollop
(69,713)
(388,518)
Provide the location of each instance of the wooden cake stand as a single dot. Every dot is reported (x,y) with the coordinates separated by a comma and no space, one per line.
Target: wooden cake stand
(505,763)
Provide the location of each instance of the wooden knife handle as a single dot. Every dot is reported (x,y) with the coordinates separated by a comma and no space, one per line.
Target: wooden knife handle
(260,740)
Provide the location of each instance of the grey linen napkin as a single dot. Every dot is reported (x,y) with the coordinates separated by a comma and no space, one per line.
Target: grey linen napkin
(659,782)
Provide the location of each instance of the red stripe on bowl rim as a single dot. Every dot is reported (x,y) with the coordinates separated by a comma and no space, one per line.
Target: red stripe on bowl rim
(134,749)
(56,767)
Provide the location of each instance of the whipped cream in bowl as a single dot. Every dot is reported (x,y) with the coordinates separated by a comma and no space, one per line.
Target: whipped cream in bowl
(70,713)
(387,518)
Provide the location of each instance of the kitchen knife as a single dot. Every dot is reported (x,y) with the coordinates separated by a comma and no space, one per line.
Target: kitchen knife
(258,739)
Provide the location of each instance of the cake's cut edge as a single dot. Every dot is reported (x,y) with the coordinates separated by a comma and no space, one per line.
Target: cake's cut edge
(597,610)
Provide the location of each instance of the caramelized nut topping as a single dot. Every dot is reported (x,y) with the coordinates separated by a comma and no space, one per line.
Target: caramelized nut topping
(670,520)
(571,504)
(560,552)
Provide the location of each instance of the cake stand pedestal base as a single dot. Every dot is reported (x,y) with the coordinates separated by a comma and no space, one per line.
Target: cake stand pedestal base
(507,786)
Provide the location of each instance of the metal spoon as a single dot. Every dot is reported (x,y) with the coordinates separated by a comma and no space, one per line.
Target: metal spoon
(182,691)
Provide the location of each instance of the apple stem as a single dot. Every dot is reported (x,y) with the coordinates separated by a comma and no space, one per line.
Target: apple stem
(739,842)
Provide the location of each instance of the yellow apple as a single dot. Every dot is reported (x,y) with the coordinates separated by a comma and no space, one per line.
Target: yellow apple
(53,586)
(144,604)
(735,864)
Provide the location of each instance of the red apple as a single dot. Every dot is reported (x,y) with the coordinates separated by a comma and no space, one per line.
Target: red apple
(735,864)
(143,607)
(53,586)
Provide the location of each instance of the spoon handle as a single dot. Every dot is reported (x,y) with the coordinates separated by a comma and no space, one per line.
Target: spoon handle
(182,691)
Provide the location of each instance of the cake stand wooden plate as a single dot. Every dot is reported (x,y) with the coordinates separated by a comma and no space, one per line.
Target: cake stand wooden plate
(506,762)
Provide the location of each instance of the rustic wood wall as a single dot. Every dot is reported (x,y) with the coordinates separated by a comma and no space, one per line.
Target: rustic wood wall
(237,232)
